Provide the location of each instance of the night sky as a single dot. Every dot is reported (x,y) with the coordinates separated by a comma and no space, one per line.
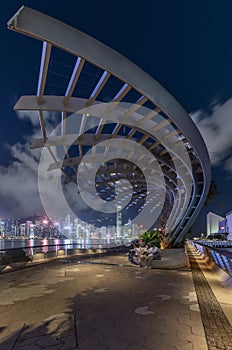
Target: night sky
(185,45)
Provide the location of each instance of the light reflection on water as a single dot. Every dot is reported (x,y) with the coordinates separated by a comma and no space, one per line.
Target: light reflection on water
(56,244)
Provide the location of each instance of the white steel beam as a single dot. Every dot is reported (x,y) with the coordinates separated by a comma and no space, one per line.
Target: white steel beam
(46,53)
(103,80)
(73,80)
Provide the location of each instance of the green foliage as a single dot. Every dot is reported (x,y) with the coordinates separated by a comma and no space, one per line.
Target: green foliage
(151,236)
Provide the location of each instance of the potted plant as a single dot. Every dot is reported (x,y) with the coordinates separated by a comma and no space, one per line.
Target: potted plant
(151,236)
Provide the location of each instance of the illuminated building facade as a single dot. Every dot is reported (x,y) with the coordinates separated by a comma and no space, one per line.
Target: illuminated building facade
(119,222)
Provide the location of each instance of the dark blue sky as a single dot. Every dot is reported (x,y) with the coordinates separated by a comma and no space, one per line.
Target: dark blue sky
(185,45)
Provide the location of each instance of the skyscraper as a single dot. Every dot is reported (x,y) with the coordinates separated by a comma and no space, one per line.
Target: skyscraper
(118,222)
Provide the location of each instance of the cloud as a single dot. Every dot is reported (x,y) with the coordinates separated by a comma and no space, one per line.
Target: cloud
(19,191)
(216,129)
(32,116)
(51,119)
(18,183)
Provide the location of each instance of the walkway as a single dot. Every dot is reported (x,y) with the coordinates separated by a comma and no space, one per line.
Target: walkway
(107,304)
(217,328)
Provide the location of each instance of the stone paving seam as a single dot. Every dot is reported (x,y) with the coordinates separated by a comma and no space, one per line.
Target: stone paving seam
(18,336)
(75,329)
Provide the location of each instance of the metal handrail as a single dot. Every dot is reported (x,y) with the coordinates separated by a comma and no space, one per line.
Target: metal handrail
(73,245)
(221,258)
(66,246)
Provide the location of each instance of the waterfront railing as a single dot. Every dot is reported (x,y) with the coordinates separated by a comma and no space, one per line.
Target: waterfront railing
(16,257)
(213,250)
(214,243)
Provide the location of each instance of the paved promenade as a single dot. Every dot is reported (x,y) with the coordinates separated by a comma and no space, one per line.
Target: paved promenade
(107,303)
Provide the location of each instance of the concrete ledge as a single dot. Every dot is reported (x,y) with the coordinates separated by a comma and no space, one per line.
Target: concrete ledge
(18,265)
(60,253)
(51,254)
(173,258)
(41,258)
(73,251)
(223,276)
(38,256)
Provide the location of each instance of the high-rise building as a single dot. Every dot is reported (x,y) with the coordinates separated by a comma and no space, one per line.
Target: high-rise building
(118,222)
(2,228)
(212,223)
(23,229)
(29,228)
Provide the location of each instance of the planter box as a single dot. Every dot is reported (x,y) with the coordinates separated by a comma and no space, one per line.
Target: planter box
(171,258)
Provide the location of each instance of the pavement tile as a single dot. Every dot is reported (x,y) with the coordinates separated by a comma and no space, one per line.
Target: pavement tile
(198,341)
(159,326)
(183,331)
(185,346)
(26,341)
(132,334)
(118,344)
(197,328)
(194,307)
(184,318)
(89,344)
(27,347)
(156,346)
(106,320)
(7,345)
(153,338)
(178,343)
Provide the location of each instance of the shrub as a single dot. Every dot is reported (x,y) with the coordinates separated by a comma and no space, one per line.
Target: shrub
(151,236)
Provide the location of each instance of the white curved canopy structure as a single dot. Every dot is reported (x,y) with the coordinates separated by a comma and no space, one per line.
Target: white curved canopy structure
(117,117)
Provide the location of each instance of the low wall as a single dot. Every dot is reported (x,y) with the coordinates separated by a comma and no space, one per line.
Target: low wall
(38,256)
(73,251)
(218,271)
(62,253)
